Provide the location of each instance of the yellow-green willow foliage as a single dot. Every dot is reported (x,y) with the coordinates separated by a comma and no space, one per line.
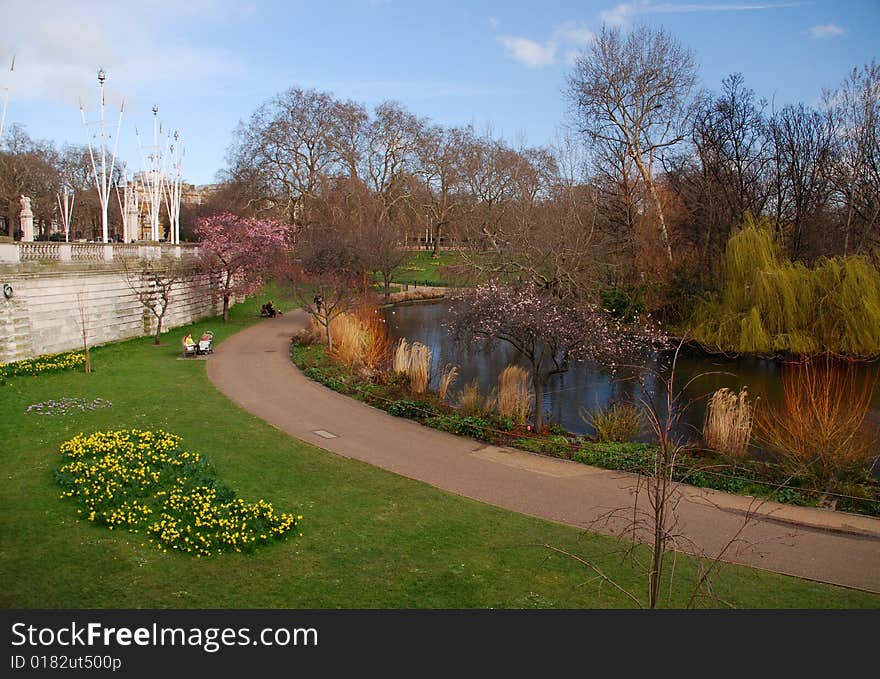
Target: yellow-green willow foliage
(769,304)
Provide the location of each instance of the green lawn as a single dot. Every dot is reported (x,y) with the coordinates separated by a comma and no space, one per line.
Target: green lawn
(370,539)
(423,269)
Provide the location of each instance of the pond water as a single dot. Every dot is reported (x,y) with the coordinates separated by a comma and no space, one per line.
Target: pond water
(589,386)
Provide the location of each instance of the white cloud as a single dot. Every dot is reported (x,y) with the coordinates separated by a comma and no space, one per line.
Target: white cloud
(623,13)
(539,54)
(529,52)
(620,15)
(60,45)
(825,31)
(573,34)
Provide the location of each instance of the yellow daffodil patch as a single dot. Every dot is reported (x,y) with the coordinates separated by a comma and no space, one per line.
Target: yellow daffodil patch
(146,482)
(43,364)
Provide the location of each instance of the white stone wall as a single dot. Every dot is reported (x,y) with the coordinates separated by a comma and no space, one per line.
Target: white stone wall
(43,314)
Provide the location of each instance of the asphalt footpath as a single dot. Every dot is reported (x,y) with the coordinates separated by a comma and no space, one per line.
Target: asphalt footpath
(254,370)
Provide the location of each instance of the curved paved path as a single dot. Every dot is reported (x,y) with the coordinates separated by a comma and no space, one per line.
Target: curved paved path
(254,370)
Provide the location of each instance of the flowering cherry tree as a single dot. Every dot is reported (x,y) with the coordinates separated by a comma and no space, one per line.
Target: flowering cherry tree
(240,251)
(547,331)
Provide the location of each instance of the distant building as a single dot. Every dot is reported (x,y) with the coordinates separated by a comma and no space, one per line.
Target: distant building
(140,207)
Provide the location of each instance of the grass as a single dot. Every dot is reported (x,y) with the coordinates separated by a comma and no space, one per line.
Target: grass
(423,269)
(371,539)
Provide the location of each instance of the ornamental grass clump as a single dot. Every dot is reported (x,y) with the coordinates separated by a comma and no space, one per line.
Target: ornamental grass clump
(472,403)
(413,361)
(419,367)
(515,395)
(618,422)
(728,427)
(820,431)
(360,338)
(447,376)
(146,483)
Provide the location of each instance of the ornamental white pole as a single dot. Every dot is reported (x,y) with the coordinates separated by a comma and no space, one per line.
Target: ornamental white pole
(6,97)
(152,175)
(65,205)
(104,180)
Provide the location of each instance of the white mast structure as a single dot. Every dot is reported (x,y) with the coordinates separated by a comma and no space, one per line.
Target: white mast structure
(104,180)
(152,178)
(173,187)
(65,207)
(128,206)
(6,97)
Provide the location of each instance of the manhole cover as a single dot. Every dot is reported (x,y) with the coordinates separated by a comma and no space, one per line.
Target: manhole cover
(325,434)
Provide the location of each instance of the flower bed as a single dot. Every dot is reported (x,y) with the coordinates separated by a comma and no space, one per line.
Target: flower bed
(66,406)
(146,483)
(43,364)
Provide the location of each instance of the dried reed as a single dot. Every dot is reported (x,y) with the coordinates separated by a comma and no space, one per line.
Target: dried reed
(360,338)
(473,403)
(728,426)
(419,367)
(515,394)
(447,377)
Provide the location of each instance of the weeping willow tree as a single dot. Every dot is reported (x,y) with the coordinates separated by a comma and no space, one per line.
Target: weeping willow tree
(769,304)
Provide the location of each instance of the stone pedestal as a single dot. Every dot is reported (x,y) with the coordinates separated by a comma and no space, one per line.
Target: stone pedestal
(27,220)
(27,228)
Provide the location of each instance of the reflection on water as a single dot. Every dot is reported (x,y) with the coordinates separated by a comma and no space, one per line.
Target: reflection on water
(590,386)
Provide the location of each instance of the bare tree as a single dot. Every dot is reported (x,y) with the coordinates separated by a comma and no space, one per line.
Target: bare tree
(326,275)
(390,157)
(731,172)
(27,167)
(854,115)
(291,145)
(153,285)
(440,177)
(84,323)
(802,153)
(653,519)
(634,91)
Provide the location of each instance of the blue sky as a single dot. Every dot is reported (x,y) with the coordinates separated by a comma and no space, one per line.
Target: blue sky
(210,63)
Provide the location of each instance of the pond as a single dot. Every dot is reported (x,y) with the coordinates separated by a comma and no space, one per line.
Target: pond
(589,386)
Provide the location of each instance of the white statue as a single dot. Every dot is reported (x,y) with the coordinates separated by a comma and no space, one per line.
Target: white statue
(26,206)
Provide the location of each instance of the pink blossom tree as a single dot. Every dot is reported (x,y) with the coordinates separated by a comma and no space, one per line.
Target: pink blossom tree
(547,331)
(241,251)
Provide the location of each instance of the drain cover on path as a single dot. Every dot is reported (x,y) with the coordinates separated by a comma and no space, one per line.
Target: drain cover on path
(325,434)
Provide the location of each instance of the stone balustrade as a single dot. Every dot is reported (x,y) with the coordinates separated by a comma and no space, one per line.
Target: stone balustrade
(90,253)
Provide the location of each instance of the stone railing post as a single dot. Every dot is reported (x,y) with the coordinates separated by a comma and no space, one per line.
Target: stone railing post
(9,253)
(64,252)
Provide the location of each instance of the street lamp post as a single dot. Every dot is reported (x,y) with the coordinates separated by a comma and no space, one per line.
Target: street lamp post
(104,179)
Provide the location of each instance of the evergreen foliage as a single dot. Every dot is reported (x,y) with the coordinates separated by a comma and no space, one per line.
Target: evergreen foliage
(769,304)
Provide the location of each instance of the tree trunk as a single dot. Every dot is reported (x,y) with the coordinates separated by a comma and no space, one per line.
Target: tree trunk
(329,333)
(437,230)
(225,308)
(158,329)
(652,188)
(538,383)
